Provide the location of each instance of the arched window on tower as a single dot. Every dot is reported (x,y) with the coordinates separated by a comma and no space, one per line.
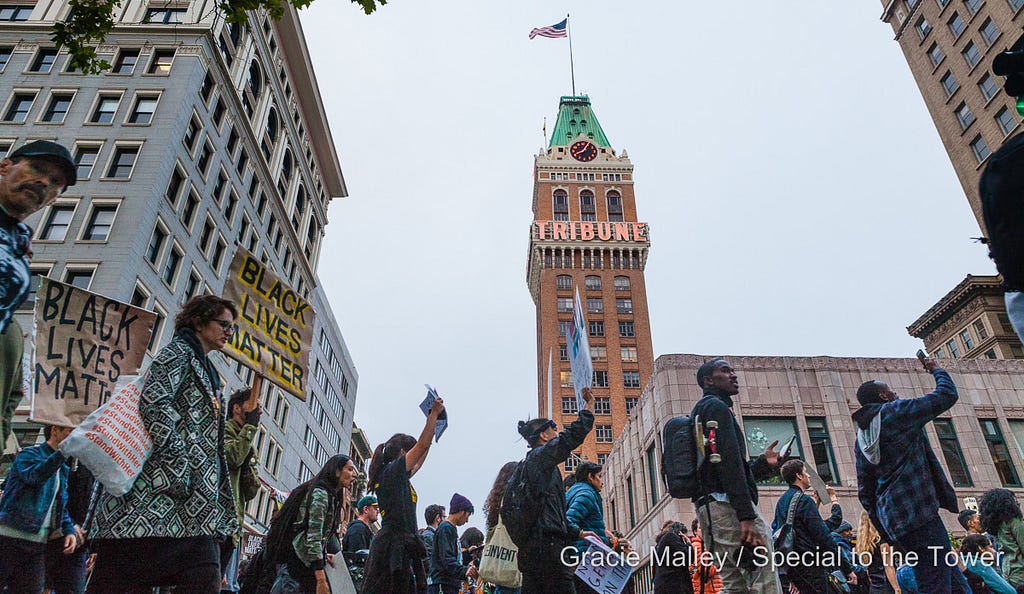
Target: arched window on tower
(622,283)
(561,205)
(563,282)
(614,206)
(300,207)
(270,134)
(286,174)
(593,283)
(588,210)
(253,88)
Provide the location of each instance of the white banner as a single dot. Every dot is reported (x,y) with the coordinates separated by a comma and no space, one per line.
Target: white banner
(604,570)
(579,353)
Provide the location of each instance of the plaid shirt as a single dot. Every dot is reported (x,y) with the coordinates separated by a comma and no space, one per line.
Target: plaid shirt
(907,487)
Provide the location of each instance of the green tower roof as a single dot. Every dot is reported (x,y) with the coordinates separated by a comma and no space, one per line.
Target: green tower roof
(576,116)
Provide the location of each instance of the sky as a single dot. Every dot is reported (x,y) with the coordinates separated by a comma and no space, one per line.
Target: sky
(800,201)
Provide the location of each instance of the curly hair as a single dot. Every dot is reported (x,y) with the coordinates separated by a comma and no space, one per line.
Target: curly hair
(201,310)
(492,506)
(867,535)
(996,507)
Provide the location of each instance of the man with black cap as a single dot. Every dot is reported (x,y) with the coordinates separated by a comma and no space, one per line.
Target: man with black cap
(899,480)
(727,507)
(31,178)
(446,569)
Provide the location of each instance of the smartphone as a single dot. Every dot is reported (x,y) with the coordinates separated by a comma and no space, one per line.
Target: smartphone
(786,448)
(921,355)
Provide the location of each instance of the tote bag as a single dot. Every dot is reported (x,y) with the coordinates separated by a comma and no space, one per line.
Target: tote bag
(499,563)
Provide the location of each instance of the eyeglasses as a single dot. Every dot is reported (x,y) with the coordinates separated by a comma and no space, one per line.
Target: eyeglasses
(551,425)
(226,325)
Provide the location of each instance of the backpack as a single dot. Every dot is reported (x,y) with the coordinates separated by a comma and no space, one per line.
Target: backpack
(680,462)
(520,506)
(1001,189)
(784,536)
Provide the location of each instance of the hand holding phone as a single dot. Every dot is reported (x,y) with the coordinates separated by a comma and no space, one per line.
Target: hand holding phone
(927,362)
(784,452)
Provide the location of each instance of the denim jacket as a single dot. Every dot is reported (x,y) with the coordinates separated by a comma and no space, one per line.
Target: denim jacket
(29,490)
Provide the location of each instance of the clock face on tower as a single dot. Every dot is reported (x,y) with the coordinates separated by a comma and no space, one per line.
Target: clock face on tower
(583,151)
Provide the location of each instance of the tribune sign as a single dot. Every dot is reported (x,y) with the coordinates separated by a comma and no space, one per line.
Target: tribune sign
(591,230)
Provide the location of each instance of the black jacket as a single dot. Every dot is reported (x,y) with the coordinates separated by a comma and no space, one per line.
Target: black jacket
(810,533)
(358,537)
(544,478)
(736,475)
(445,568)
(672,570)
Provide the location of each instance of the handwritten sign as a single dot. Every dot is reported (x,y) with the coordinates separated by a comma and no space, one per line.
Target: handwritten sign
(84,343)
(579,353)
(274,330)
(604,570)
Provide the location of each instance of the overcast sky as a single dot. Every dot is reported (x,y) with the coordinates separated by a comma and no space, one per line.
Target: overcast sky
(799,198)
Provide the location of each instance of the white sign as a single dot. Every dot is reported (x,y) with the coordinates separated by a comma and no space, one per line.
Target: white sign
(253,543)
(579,353)
(604,570)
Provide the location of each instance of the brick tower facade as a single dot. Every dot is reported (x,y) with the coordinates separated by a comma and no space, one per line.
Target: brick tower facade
(586,236)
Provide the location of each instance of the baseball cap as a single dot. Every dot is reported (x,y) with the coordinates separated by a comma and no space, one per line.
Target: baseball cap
(50,150)
(366,500)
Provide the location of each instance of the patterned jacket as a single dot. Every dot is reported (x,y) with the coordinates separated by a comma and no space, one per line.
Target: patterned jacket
(899,480)
(183,489)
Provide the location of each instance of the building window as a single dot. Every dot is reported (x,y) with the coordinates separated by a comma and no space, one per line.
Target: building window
(1000,454)
(572,462)
(628,354)
(598,353)
(631,403)
(595,327)
(614,206)
(588,210)
(58,107)
(85,160)
(1007,122)
(566,379)
(565,304)
(631,379)
(980,148)
(126,61)
(626,329)
(100,221)
(956,25)
(79,277)
(954,350)
(15,12)
(595,305)
(973,5)
(622,283)
(821,449)
(629,496)
(192,286)
(760,432)
(218,255)
(563,328)
(20,105)
(949,83)
(44,60)
(624,305)
(161,62)
(990,354)
(979,327)
(600,379)
(652,472)
(935,54)
(602,405)
(964,116)
(206,236)
(560,206)
(142,111)
(171,266)
(922,27)
(593,283)
(165,15)
(563,282)
(156,244)
(602,459)
(563,352)
(57,222)
(966,337)
(952,453)
(603,433)
(188,210)
(1015,4)
(123,162)
(971,55)
(218,113)
(988,87)
(106,107)
(989,32)
(569,405)
(203,163)
(5,55)
(192,134)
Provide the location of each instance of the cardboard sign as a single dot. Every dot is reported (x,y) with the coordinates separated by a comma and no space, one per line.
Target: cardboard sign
(601,568)
(84,343)
(579,353)
(274,330)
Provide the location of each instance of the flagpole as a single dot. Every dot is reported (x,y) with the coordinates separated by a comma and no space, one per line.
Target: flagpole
(572,71)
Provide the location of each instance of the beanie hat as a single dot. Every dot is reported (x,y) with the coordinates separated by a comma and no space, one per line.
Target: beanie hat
(844,527)
(364,501)
(964,517)
(458,504)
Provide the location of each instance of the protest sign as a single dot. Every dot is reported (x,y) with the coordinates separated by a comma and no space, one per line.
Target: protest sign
(84,343)
(579,353)
(274,330)
(604,570)
(252,543)
(338,577)
(442,419)
(817,483)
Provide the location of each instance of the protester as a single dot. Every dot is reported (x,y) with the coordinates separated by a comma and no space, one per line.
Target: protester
(540,558)
(971,522)
(702,574)
(433,515)
(471,543)
(1001,516)
(12,345)
(810,535)
(358,534)
(492,510)
(394,565)
(307,520)
(447,568)
(728,501)
(243,467)
(881,571)
(584,507)
(34,503)
(167,530)
(65,572)
(979,556)
(893,452)
(670,560)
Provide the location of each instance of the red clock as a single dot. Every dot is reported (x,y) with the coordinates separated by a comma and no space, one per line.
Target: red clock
(583,151)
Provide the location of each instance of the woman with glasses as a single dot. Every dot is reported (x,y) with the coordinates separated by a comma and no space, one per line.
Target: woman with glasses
(166,530)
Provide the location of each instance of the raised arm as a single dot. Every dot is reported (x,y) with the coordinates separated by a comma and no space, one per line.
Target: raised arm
(414,457)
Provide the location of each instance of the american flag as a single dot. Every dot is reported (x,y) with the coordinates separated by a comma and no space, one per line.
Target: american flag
(556,30)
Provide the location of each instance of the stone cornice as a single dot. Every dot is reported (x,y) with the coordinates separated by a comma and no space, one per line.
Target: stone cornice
(970,288)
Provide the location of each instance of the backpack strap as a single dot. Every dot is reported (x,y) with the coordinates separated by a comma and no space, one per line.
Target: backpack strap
(791,514)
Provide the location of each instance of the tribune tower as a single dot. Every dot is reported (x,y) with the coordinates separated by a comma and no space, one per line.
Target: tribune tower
(586,236)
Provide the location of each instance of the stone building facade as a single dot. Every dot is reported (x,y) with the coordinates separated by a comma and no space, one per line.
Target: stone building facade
(980,442)
(201,137)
